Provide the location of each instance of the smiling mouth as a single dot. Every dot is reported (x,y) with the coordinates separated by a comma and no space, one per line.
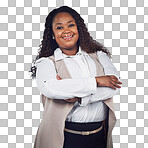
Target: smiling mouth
(68,37)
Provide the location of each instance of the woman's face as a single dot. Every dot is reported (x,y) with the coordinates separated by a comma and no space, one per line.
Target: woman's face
(65,31)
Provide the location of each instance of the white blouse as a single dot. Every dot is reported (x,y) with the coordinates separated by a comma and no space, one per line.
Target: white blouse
(82,84)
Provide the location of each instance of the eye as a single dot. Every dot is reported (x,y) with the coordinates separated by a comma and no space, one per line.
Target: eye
(71,25)
(59,27)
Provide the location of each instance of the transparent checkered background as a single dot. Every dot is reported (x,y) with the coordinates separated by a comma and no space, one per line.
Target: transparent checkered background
(121,25)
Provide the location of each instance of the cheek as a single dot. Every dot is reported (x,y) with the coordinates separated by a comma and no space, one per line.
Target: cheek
(57,34)
(77,34)
(58,37)
(76,31)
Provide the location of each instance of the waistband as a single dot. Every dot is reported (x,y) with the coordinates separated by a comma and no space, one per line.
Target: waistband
(78,126)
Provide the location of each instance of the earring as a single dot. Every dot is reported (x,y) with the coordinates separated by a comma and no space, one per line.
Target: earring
(53,37)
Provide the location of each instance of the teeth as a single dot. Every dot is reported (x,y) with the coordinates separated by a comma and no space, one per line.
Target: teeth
(67,37)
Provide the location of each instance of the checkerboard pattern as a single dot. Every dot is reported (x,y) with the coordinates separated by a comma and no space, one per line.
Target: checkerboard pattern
(121,25)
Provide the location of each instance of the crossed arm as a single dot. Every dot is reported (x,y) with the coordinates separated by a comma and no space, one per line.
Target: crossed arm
(50,86)
(102,81)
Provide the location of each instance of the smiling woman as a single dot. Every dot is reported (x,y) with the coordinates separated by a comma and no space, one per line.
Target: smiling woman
(49,44)
(65,33)
(77,81)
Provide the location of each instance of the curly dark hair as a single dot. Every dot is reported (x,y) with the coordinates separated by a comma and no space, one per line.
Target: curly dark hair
(85,41)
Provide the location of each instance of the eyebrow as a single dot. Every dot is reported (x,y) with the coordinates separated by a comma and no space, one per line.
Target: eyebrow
(62,23)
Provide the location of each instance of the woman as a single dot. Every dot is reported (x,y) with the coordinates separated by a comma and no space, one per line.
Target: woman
(77,81)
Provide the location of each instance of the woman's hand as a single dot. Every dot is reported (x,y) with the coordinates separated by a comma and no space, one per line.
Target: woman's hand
(58,77)
(109,81)
(73,100)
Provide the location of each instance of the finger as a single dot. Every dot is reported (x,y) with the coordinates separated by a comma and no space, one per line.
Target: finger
(71,100)
(116,81)
(114,77)
(58,77)
(119,82)
(118,86)
(112,86)
(67,100)
(113,80)
(115,84)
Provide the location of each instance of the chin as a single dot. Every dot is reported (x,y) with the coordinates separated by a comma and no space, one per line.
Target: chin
(69,47)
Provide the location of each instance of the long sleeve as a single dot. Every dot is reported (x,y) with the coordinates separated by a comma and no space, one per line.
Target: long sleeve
(103,93)
(49,86)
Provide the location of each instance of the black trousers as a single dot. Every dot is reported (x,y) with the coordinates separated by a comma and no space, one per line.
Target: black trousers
(96,140)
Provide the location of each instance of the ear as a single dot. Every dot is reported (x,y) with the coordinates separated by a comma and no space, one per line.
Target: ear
(53,36)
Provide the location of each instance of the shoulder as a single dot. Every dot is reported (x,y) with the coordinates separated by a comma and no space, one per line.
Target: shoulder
(44,61)
(101,54)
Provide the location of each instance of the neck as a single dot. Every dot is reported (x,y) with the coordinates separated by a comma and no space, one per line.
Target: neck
(70,52)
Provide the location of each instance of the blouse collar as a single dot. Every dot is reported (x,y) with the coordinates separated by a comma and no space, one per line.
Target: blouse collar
(59,55)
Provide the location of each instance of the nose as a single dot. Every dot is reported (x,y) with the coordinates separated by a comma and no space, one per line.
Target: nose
(66,31)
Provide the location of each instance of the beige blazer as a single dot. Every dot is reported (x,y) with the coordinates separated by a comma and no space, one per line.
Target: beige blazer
(50,132)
